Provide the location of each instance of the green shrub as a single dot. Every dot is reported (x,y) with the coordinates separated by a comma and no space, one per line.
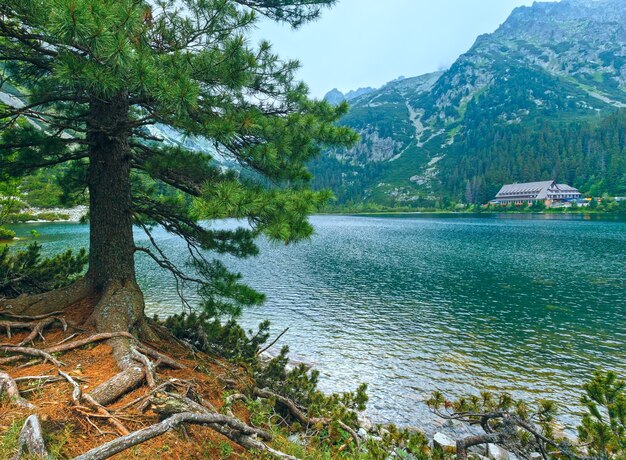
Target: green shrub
(28,216)
(27,272)
(228,340)
(6,234)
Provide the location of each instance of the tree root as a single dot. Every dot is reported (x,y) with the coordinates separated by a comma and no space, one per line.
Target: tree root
(40,326)
(31,440)
(245,435)
(117,386)
(7,382)
(29,352)
(160,357)
(35,327)
(61,347)
(8,314)
(40,305)
(131,375)
(230,400)
(148,367)
(79,398)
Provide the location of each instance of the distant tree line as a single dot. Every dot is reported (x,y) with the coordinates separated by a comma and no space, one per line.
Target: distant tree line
(589,155)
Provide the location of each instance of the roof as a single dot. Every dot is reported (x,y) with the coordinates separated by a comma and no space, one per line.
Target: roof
(539,190)
(566,188)
(526,188)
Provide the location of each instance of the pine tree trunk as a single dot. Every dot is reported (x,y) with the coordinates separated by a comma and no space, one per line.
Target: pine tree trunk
(111,246)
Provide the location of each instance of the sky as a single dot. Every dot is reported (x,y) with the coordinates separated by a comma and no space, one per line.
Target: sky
(360,43)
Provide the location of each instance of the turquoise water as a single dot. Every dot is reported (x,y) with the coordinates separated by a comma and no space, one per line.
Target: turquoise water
(410,304)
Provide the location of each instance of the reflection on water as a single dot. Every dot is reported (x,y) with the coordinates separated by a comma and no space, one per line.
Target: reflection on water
(410,304)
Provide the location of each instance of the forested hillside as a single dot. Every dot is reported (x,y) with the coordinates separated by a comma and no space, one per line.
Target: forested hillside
(541,98)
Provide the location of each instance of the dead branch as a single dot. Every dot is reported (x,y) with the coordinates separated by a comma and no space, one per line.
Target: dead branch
(125,442)
(273,342)
(31,439)
(295,411)
(7,382)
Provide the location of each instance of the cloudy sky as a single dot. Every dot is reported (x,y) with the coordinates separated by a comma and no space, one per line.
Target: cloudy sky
(361,43)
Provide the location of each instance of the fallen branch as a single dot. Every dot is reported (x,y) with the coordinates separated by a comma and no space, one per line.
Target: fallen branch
(291,406)
(7,382)
(31,439)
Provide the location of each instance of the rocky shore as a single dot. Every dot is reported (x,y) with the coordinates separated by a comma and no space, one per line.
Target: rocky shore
(75,214)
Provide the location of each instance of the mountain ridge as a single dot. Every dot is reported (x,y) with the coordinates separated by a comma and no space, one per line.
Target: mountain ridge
(549,63)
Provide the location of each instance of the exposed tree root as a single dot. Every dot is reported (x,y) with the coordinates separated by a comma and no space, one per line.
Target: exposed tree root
(39,305)
(117,386)
(149,367)
(175,400)
(40,326)
(29,352)
(80,398)
(31,440)
(29,318)
(125,442)
(35,327)
(230,400)
(160,357)
(45,353)
(8,384)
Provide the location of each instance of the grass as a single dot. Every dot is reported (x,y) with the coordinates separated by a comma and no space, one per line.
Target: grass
(8,441)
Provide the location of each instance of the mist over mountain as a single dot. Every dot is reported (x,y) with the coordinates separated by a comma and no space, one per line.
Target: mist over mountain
(538,99)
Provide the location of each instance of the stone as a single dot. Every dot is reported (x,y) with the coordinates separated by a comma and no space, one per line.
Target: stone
(365,422)
(297,439)
(444,443)
(496,452)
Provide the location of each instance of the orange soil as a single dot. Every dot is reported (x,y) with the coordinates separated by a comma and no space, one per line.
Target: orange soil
(94,364)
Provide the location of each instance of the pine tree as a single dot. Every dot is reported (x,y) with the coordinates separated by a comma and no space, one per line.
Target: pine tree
(99,75)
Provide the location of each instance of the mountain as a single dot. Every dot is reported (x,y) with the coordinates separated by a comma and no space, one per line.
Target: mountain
(551,76)
(336,97)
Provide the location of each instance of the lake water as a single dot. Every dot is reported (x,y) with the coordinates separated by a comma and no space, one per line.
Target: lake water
(410,304)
